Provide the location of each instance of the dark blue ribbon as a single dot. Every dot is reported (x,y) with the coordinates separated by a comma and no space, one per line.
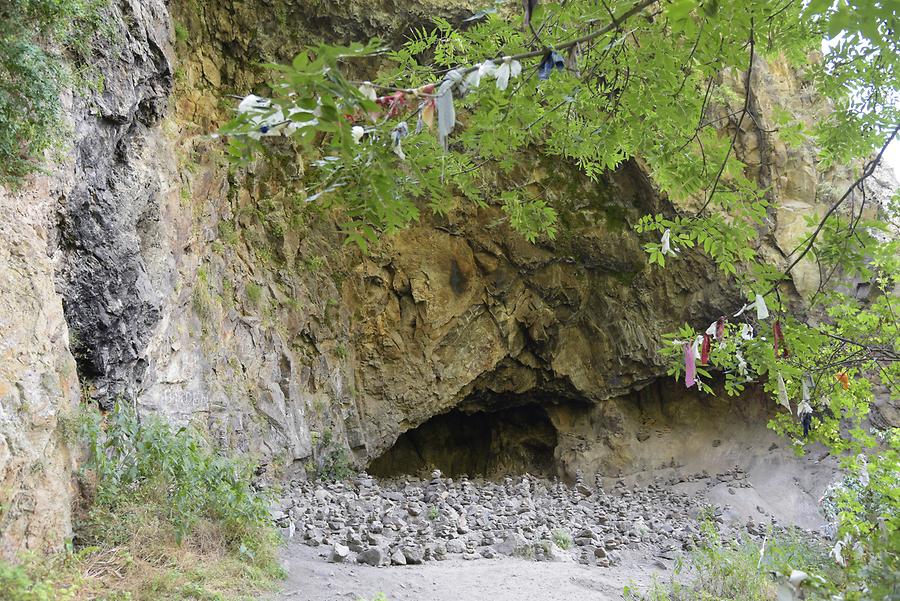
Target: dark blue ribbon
(552,60)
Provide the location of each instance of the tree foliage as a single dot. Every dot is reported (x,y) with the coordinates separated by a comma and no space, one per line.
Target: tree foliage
(34,37)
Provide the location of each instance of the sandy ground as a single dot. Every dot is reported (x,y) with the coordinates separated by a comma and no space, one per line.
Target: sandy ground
(505,579)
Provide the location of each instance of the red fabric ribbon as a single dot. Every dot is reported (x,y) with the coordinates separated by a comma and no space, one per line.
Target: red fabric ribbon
(704,351)
(779,340)
(393,103)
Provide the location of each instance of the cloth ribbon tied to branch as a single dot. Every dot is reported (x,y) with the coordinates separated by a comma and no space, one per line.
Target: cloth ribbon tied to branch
(397,135)
(426,109)
(742,364)
(804,409)
(552,60)
(446,112)
(704,352)
(778,342)
(844,379)
(762,311)
(666,243)
(782,394)
(267,120)
(690,367)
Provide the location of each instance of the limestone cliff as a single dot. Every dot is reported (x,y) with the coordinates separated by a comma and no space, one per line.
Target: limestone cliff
(221,299)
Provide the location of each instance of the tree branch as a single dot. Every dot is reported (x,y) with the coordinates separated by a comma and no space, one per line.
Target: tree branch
(615,25)
(737,128)
(868,170)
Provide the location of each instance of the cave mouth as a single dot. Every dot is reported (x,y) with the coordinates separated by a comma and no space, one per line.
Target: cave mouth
(488,444)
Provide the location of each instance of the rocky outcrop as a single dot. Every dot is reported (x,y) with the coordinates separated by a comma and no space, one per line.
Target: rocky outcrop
(219,298)
(115,270)
(81,278)
(38,381)
(467,313)
(801,186)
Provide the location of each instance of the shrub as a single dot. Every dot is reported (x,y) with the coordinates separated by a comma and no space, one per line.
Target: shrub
(17,583)
(33,33)
(254,293)
(332,462)
(144,461)
(167,516)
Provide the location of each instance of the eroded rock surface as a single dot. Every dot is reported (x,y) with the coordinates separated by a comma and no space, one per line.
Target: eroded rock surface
(115,271)
(38,381)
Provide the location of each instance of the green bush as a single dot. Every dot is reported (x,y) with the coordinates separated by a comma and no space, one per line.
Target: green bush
(562,539)
(144,468)
(18,584)
(332,462)
(34,35)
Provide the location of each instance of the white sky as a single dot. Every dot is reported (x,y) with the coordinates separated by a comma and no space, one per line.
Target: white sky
(892,158)
(892,154)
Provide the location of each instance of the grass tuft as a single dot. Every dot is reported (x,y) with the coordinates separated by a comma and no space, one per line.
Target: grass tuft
(720,570)
(165,518)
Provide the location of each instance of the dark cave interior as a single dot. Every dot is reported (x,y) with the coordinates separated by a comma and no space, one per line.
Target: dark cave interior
(488,444)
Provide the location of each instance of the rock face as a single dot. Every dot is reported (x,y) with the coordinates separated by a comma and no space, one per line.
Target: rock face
(285,344)
(114,271)
(799,183)
(80,276)
(38,380)
(466,314)
(222,299)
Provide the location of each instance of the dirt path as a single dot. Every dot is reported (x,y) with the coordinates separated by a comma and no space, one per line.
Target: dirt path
(310,578)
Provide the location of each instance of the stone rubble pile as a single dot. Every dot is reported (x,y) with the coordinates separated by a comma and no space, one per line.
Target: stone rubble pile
(408,521)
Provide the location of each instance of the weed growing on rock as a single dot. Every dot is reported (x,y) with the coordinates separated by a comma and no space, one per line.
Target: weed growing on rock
(254,293)
(562,539)
(314,264)
(332,462)
(202,297)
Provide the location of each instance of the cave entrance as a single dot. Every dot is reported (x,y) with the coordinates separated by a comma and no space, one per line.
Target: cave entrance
(490,444)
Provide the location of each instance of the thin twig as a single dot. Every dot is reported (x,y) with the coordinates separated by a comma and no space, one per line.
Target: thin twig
(866,173)
(737,128)
(689,59)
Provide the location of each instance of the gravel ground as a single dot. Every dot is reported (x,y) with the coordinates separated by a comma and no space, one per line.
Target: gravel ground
(439,539)
(503,579)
